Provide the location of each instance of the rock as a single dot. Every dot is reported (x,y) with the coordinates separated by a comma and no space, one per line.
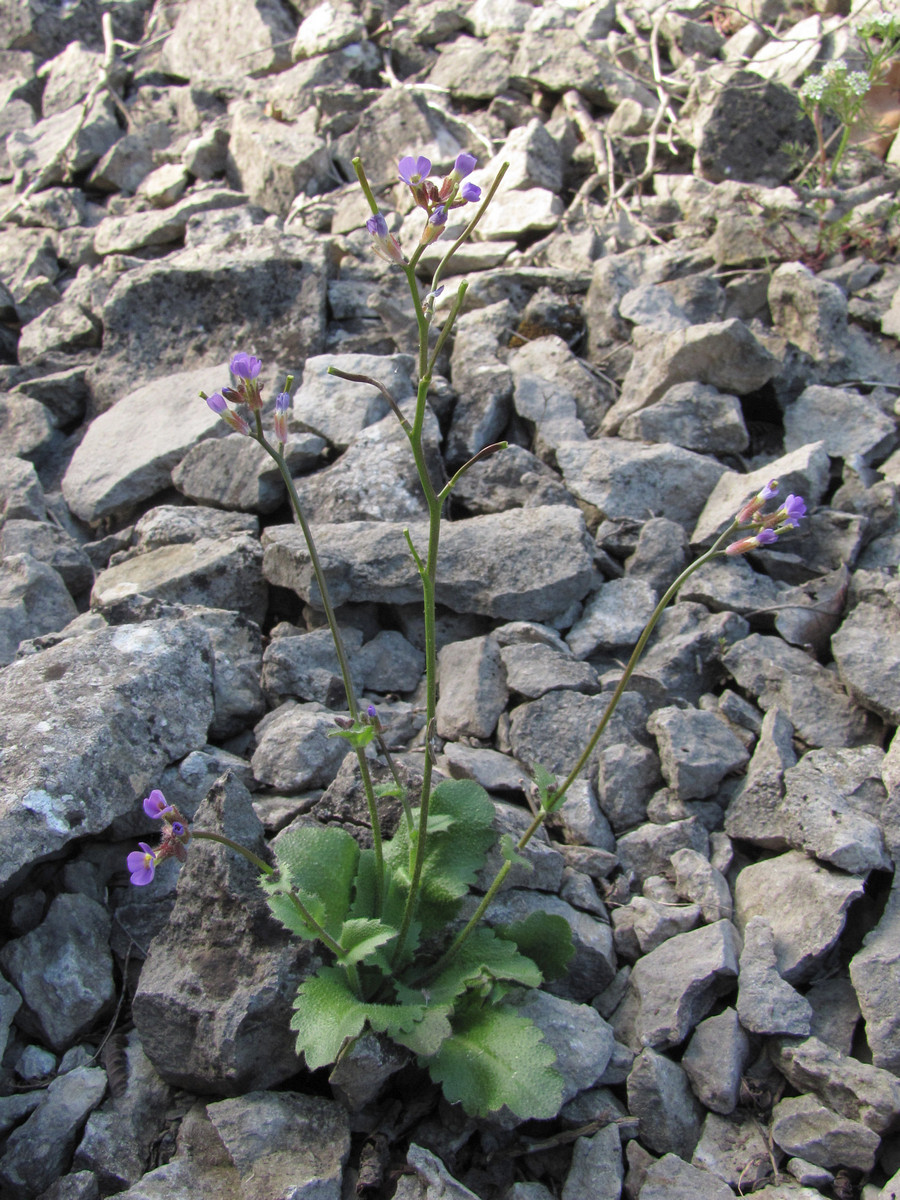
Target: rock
(533,669)
(676,984)
(435,1180)
(63,971)
(723,354)
(802,1125)
(200,36)
(51,545)
(34,601)
(596,1168)
(697,880)
(643,924)
(140,230)
(21,494)
(213,1010)
(855,1089)
(693,416)
(684,651)
(128,453)
(294,751)
(813,701)
(870,678)
(696,750)
(337,409)
(362,1071)
(38,1151)
(659,1096)
(501,565)
(327,27)
(237,473)
(274,161)
(627,776)
(848,424)
(583,1041)
(835,1012)
(470,70)
(27,427)
(766,1003)
(804,902)
(562,60)
(753,812)
(811,312)
(473,691)
(671,1178)
(874,971)
(648,849)
(614,616)
(735,1149)
(622,478)
(715,1059)
(513,478)
(306,667)
(284,1143)
(37,152)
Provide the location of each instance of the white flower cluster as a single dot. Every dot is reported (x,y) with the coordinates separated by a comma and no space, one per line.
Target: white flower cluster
(834,79)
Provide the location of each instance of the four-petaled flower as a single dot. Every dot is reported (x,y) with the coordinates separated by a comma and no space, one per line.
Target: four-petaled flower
(245,366)
(414,171)
(765,537)
(141,864)
(791,511)
(156,805)
(464,165)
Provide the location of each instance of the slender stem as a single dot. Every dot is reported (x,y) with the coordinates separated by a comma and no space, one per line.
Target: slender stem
(467,232)
(248,854)
(343,662)
(553,801)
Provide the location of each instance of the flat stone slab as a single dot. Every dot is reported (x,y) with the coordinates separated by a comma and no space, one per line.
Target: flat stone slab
(524,564)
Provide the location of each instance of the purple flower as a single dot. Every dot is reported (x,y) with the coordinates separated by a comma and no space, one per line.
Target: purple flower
(279,424)
(791,511)
(178,830)
(156,805)
(470,192)
(439,216)
(372,711)
(414,171)
(770,490)
(386,245)
(282,402)
(141,864)
(766,537)
(377,225)
(245,366)
(217,403)
(465,164)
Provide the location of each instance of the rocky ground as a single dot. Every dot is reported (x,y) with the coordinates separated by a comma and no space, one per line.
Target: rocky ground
(656,327)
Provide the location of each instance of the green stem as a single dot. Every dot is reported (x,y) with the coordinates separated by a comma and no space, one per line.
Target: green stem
(343,662)
(554,800)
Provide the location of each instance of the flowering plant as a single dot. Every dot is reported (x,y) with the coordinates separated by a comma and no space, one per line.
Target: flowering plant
(384,913)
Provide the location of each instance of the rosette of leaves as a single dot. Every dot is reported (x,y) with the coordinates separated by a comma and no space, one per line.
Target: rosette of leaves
(456,1013)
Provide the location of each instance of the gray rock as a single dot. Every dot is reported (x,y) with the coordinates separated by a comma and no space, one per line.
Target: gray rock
(811,312)
(696,750)
(643,924)
(674,304)
(802,1125)
(200,36)
(306,667)
(363,1069)
(128,453)
(804,902)
(34,601)
(660,1097)
(550,359)
(119,1136)
(648,849)
(697,880)
(434,1180)
(627,478)
(693,416)
(865,650)
(784,676)
(171,524)
(222,574)
(339,410)
(596,1169)
(874,971)
(812,611)
(21,494)
(533,669)
(614,616)
(185,1179)
(543,869)
(836,1012)
(471,70)
(554,729)
(551,408)
(855,1089)
(494,771)
(766,1003)
(63,971)
(722,354)
(213,1012)
(161,227)
(472,688)
(682,660)
(37,1152)
(731,584)
(627,776)
(294,751)
(36,152)
(274,161)
(580,820)
(275,282)
(237,473)
(105,700)
(752,814)
(27,426)
(50,544)
(559,59)
(284,1143)
(671,1178)
(583,1041)
(735,1149)
(525,564)
(661,554)
(677,984)
(327,27)
(715,1059)
(848,424)
(803,472)
(512,478)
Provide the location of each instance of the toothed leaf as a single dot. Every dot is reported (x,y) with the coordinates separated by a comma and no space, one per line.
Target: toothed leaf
(544,937)
(320,863)
(360,938)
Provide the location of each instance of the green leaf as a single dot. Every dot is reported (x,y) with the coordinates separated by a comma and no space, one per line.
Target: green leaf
(455,853)
(546,785)
(482,958)
(327,1013)
(391,788)
(361,937)
(358,735)
(511,854)
(289,915)
(319,863)
(544,937)
(496,1057)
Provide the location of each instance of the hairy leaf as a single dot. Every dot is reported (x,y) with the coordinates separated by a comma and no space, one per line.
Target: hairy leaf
(511,854)
(546,784)
(544,937)
(361,937)
(319,863)
(482,958)
(496,1057)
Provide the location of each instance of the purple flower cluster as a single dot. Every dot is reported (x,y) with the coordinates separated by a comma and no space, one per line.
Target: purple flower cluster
(245,368)
(766,527)
(143,863)
(435,198)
